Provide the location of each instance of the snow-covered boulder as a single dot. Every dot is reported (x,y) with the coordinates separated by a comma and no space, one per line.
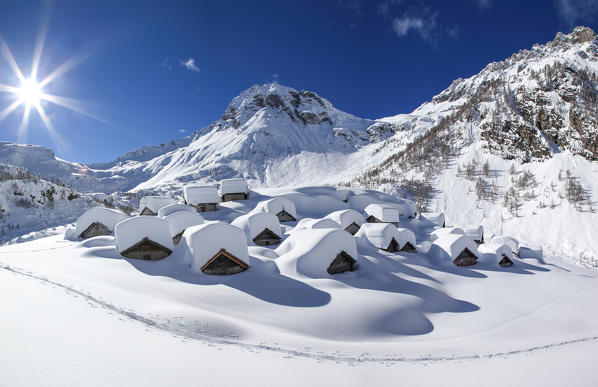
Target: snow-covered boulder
(150,205)
(311,223)
(202,197)
(282,207)
(98,221)
(261,228)
(180,221)
(475,233)
(217,248)
(172,208)
(233,189)
(496,253)
(348,220)
(460,249)
(382,213)
(436,218)
(506,240)
(144,237)
(317,252)
(387,237)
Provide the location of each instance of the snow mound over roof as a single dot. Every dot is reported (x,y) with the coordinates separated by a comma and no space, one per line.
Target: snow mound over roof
(275,205)
(206,240)
(476,233)
(346,217)
(311,223)
(380,235)
(447,230)
(182,220)
(310,252)
(436,218)
(506,240)
(236,185)
(172,208)
(108,217)
(494,252)
(154,203)
(405,207)
(200,194)
(451,245)
(254,223)
(133,230)
(384,212)
(343,193)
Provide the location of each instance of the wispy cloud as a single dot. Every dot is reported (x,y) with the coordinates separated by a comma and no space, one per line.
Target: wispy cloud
(483,4)
(422,22)
(353,5)
(182,131)
(575,11)
(166,64)
(190,64)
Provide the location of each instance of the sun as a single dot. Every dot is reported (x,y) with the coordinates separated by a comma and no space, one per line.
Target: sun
(30,92)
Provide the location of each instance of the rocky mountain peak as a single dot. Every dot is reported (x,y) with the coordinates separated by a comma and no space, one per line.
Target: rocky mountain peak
(580,34)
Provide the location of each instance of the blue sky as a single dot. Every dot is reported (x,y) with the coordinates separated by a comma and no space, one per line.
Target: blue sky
(150,71)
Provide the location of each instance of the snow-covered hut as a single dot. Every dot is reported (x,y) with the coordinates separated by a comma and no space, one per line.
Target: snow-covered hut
(144,237)
(202,197)
(447,230)
(150,205)
(461,249)
(507,240)
(98,221)
(262,228)
(382,213)
(436,218)
(217,249)
(282,207)
(387,237)
(406,207)
(348,220)
(233,189)
(496,253)
(180,221)
(311,223)
(343,194)
(476,233)
(172,208)
(318,252)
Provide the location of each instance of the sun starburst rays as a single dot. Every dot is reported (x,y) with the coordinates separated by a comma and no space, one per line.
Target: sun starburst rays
(31,94)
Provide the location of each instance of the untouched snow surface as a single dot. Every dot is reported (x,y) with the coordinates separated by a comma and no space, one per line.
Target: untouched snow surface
(398,315)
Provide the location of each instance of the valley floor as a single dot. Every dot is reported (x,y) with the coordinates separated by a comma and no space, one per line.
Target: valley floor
(73,315)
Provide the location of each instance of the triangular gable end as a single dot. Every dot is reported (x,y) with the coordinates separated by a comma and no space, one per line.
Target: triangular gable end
(342,263)
(177,238)
(408,247)
(284,216)
(373,219)
(505,262)
(392,246)
(465,258)
(95,229)
(266,238)
(147,249)
(147,212)
(224,263)
(352,228)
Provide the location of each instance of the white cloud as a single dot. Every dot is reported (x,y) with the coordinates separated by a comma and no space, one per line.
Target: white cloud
(166,64)
(190,64)
(424,25)
(575,11)
(182,131)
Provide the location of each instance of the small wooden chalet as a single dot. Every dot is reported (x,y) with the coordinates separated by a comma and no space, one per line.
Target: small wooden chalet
(203,197)
(224,263)
(233,189)
(150,205)
(349,220)
(147,249)
(98,221)
(461,249)
(144,237)
(262,228)
(382,213)
(282,207)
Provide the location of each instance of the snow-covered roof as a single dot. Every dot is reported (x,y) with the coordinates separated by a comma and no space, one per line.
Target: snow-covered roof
(447,230)
(451,245)
(436,218)
(384,212)
(206,240)
(154,203)
(311,223)
(108,217)
(493,252)
(254,223)
(311,251)
(181,220)
(405,207)
(133,230)
(506,240)
(237,185)
(343,193)
(476,232)
(172,208)
(377,234)
(201,194)
(345,217)
(275,205)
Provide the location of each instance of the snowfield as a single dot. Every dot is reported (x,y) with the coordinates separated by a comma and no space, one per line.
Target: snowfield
(78,309)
